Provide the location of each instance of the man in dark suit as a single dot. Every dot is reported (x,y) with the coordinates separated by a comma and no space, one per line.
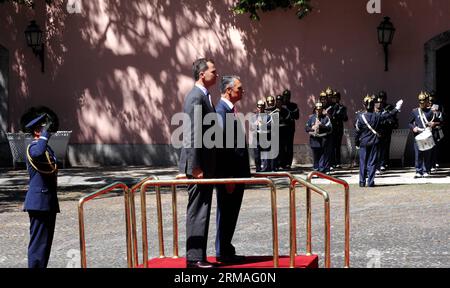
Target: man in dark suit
(41,201)
(197,162)
(233,163)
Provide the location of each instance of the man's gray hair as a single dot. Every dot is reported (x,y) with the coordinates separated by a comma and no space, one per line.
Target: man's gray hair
(227,82)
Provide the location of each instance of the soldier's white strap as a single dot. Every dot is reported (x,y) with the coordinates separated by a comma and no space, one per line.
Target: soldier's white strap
(424,119)
(370,127)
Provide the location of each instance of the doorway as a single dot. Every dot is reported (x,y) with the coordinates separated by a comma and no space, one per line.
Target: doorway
(443,93)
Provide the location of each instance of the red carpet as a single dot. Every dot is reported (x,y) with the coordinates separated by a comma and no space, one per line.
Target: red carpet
(251,262)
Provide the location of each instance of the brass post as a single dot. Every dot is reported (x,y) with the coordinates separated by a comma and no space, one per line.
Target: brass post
(347,210)
(82,236)
(144,226)
(292,226)
(175,221)
(128,229)
(347,226)
(133,229)
(81,203)
(308,223)
(160,222)
(159,183)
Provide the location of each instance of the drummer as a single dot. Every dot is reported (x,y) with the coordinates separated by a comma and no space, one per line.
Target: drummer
(421,119)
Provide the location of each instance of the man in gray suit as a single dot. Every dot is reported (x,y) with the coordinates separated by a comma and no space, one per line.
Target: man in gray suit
(197,162)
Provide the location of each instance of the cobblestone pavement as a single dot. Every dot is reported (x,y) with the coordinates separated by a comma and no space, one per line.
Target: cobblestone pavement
(401,223)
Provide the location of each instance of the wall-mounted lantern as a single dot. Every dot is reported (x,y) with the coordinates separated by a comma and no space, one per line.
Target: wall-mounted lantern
(386,33)
(35,39)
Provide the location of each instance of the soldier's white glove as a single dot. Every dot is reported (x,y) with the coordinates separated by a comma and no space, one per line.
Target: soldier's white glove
(399,105)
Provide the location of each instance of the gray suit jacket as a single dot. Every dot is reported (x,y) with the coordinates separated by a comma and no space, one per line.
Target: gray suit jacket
(200,157)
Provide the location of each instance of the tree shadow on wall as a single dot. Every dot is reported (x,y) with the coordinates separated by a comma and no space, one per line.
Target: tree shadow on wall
(126,65)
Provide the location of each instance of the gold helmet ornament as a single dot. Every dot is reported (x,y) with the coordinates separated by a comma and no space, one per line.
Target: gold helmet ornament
(270,100)
(323,94)
(369,99)
(423,97)
(260,103)
(318,105)
(329,91)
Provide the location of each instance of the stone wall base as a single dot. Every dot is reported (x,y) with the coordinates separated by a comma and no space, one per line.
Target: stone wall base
(160,155)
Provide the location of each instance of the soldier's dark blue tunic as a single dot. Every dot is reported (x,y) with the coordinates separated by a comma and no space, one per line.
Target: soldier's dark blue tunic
(386,129)
(320,142)
(41,203)
(338,115)
(438,135)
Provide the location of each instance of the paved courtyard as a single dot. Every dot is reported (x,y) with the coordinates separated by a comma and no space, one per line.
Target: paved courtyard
(403,222)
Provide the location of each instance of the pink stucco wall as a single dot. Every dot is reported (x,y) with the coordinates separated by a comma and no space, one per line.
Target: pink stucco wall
(117,72)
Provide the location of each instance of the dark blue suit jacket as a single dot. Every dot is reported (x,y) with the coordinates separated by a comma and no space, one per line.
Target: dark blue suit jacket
(41,194)
(233,160)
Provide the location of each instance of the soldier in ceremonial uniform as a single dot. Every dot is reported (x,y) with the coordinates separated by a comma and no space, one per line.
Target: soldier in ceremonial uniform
(259,121)
(438,133)
(268,163)
(323,99)
(338,115)
(422,118)
(283,113)
(388,126)
(293,116)
(367,138)
(319,128)
(41,201)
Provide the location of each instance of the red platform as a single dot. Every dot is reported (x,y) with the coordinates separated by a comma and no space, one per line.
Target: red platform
(250,262)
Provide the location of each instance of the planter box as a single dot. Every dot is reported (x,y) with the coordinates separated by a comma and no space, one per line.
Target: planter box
(18,143)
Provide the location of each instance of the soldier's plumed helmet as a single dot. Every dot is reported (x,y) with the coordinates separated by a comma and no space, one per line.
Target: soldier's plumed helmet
(323,94)
(329,91)
(382,95)
(287,92)
(368,100)
(423,97)
(270,99)
(318,105)
(260,104)
(279,98)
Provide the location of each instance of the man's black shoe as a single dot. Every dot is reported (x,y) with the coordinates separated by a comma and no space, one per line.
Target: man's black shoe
(199,264)
(231,259)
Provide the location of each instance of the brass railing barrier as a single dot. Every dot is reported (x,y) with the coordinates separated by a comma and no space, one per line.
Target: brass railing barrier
(132,211)
(347,213)
(182,181)
(292,213)
(83,200)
